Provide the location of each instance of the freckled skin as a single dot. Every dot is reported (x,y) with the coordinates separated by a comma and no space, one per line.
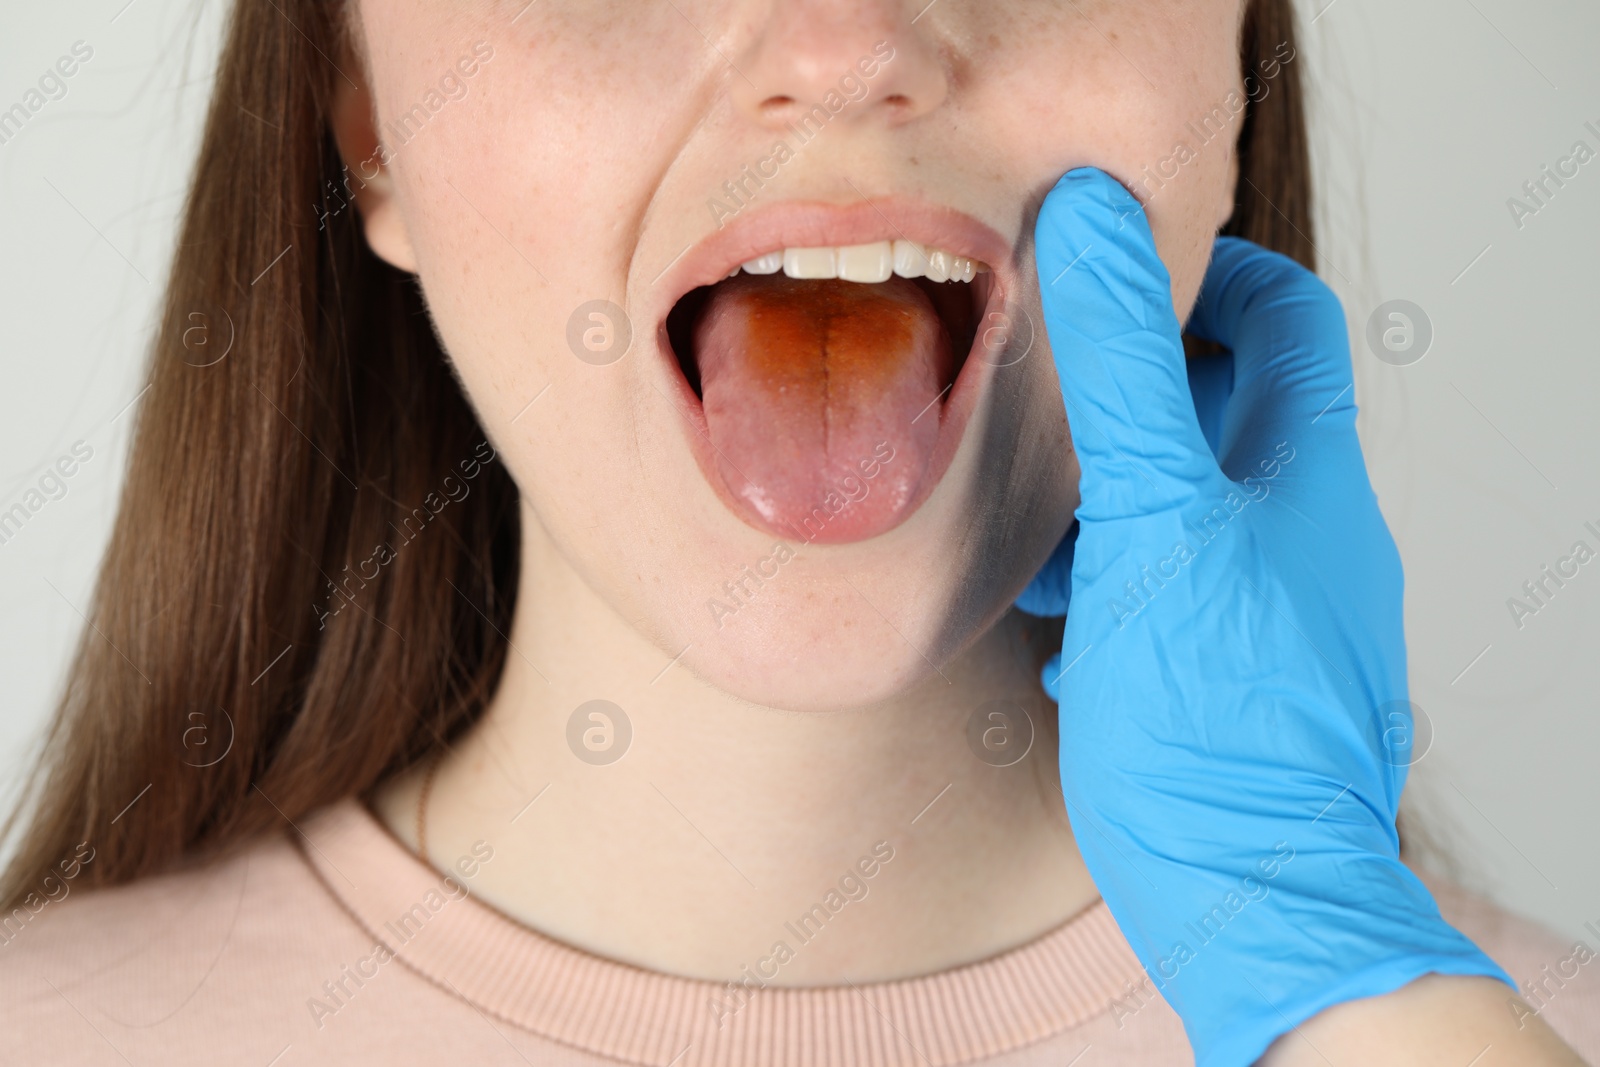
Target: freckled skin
(587,150)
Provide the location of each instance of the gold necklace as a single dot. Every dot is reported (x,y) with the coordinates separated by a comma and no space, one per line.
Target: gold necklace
(422,804)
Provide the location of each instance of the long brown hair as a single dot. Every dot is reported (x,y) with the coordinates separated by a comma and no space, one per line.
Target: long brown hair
(216,692)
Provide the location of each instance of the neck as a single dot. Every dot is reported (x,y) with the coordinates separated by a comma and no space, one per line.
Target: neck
(870,844)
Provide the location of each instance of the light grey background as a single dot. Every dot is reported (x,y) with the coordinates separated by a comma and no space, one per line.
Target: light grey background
(1428,116)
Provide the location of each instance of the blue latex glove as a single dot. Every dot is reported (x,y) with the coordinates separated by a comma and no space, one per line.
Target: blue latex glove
(1235,630)
(1210,383)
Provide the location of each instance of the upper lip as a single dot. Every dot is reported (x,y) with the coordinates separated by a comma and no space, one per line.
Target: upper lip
(815,224)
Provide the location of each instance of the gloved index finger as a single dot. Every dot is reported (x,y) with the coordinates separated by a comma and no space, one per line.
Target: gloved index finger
(1118,351)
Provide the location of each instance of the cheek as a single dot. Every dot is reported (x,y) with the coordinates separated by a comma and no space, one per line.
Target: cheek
(523,195)
(513,254)
(1157,102)
(1024,489)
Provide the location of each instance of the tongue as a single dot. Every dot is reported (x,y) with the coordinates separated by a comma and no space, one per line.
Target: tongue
(820,399)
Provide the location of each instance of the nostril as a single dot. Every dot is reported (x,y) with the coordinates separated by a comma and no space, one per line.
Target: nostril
(897,100)
(775,104)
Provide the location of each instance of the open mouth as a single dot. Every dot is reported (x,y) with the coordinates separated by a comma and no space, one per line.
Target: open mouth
(829,379)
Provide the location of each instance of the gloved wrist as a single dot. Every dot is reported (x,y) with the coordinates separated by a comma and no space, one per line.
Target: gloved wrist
(1246,959)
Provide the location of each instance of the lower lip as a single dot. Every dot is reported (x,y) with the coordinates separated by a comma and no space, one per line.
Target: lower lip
(955,410)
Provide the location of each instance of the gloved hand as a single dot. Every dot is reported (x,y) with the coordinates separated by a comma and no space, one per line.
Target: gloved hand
(1211,384)
(1235,629)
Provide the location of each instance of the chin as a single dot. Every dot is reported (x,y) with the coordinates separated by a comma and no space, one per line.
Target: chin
(824,627)
(849,395)
(811,660)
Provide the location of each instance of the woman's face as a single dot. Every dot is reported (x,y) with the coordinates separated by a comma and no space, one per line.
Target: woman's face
(816,490)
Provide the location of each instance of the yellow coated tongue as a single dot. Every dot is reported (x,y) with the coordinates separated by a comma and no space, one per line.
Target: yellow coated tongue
(820,396)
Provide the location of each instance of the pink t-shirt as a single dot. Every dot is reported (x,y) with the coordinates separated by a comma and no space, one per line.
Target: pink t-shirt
(341,947)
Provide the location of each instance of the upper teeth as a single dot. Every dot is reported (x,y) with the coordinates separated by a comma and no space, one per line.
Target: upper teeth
(867,263)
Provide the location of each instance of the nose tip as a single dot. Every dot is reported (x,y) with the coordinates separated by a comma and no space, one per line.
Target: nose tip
(860,61)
